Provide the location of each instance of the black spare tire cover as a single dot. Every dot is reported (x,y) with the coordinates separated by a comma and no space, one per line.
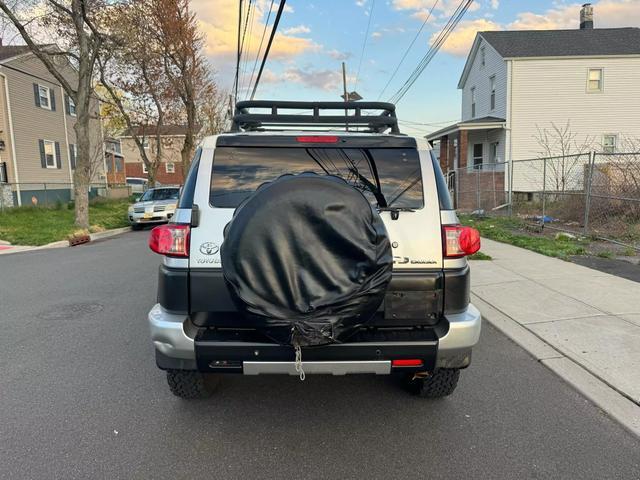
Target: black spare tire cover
(307,258)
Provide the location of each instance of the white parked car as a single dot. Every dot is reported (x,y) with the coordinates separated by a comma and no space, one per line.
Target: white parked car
(156,205)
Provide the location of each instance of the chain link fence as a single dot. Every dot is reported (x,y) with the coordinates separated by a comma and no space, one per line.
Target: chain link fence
(52,194)
(593,194)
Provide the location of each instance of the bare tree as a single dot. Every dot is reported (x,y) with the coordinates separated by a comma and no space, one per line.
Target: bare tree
(75,27)
(562,148)
(134,77)
(180,45)
(213,113)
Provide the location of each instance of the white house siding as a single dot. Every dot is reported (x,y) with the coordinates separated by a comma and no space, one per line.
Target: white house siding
(478,77)
(486,137)
(547,91)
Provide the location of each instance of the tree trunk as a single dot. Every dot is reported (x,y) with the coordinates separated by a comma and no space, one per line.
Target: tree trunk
(186,153)
(152,172)
(82,175)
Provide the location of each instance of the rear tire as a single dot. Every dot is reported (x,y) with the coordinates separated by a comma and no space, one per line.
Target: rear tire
(189,384)
(440,383)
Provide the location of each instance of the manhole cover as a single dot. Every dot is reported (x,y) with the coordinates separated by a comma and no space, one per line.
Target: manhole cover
(69,311)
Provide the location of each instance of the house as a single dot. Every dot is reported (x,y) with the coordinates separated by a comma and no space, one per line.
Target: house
(37,138)
(114,162)
(517,83)
(170,169)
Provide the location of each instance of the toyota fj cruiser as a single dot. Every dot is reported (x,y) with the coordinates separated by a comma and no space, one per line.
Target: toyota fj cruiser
(330,251)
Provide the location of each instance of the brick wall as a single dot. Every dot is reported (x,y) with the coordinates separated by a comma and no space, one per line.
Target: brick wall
(490,184)
(134,169)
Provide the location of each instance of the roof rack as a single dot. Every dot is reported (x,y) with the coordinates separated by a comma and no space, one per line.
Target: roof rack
(243,120)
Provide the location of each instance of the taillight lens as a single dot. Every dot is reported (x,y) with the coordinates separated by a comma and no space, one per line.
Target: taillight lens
(170,240)
(460,241)
(317,139)
(406,362)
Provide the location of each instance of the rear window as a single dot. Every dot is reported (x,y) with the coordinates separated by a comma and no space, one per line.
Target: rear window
(239,171)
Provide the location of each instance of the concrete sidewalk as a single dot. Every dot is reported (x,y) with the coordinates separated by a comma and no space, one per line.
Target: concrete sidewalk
(576,313)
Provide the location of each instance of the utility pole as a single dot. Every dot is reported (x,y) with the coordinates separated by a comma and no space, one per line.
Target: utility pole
(346,95)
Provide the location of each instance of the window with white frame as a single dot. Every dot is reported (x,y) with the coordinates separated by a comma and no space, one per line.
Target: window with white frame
(609,143)
(50,154)
(72,106)
(493,152)
(145,142)
(478,150)
(170,167)
(44,95)
(473,101)
(144,168)
(483,57)
(492,86)
(594,80)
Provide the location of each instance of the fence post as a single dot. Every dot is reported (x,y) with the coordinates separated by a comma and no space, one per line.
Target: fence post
(587,204)
(510,181)
(479,206)
(544,189)
(46,197)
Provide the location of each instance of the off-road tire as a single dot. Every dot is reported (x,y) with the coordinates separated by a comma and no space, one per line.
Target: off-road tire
(136,226)
(188,384)
(440,383)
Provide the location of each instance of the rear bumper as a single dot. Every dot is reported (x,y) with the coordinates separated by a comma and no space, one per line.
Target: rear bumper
(178,347)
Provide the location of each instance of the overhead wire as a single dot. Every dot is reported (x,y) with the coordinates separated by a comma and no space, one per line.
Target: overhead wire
(406,52)
(435,46)
(264,31)
(247,50)
(364,43)
(269,43)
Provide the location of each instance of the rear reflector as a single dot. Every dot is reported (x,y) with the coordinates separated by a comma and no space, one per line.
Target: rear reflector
(404,362)
(460,241)
(170,240)
(318,139)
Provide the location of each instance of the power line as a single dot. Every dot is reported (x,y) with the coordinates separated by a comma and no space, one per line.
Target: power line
(266,52)
(441,38)
(235,83)
(364,44)
(406,52)
(264,31)
(250,19)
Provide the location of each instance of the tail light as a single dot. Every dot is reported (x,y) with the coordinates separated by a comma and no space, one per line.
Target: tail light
(460,241)
(317,139)
(406,362)
(170,240)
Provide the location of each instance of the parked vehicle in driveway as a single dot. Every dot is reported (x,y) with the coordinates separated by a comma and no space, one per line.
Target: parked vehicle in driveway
(156,205)
(137,185)
(314,252)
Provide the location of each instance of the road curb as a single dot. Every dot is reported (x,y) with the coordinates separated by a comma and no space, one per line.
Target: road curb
(65,243)
(617,406)
(108,233)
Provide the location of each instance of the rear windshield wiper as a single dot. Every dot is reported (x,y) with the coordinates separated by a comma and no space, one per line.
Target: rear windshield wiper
(395,211)
(375,189)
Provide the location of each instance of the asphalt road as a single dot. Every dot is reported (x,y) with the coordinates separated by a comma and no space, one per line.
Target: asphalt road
(80,397)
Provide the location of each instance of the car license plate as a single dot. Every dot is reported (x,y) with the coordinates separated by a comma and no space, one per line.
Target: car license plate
(148,215)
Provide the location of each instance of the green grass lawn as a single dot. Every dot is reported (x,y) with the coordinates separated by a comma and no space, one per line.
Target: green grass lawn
(512,231)
(40,225)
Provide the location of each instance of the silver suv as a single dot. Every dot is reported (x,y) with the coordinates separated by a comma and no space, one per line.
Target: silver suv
(351,233)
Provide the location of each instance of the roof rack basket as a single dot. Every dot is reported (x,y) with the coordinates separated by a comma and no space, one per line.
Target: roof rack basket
(243,120)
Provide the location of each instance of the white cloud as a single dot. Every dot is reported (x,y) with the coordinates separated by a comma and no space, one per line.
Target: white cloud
(319,79)
(361,3)
(338,55)
(607,14)
(219,27)
(495,4)
(442,9)
(376,34)
(297,30)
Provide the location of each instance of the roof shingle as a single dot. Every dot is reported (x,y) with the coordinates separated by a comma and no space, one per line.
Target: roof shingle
(561,43)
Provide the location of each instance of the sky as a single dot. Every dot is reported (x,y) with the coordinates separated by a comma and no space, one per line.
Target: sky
(315,36)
